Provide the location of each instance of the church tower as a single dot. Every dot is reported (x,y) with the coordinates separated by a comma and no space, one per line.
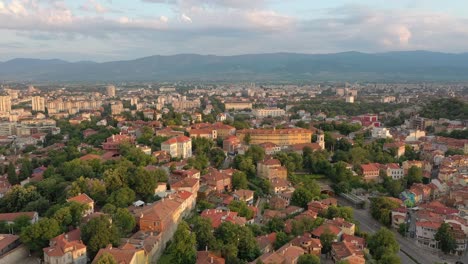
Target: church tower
(321,139)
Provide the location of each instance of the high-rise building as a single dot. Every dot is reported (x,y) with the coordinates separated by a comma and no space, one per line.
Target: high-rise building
(110,90)
(38,103)
(5,103)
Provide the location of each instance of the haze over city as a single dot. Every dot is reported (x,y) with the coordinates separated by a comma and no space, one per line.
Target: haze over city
(105,30)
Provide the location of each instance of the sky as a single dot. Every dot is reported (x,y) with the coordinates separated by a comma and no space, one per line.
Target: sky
(106,30)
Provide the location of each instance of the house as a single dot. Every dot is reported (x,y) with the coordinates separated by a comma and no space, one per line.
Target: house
(287,254)
(83,198)
(271,168)
(399,216)
(299,148)
(66,249)
(125,254)
(191,185)
(266,242)
(219,216)
(161,156)
(231,144)
(208,257)
(346,227)
(317,206)
(113,142)
(270,148)
(359,242)
(310,245)
(370,172)
(345,251)
(204,133)
(398,147)
(327,228)
(244,195)
(9,218)
(178,147)
(220,180)
(8,242)
(425,233)
(394,171)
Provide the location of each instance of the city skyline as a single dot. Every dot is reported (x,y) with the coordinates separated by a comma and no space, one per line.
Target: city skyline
(105,30)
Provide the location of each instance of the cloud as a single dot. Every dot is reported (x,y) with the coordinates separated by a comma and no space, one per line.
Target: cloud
(223,27)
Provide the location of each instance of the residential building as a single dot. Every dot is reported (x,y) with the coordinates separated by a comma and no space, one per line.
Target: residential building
(237,105)
(231,144)
(280,137)
(370,172)
(346,251)
(113,142)
(5,104)
(394,171)
(84,199)
(9,218)
(178,147)
(270,169)
(244,195)
(38,103)
(268,112)
(66,249)
(126,254)
(110,90)
(208,257)
(8,242)
(381,132)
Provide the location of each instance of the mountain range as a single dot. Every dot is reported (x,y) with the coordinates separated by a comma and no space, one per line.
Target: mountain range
(346,66)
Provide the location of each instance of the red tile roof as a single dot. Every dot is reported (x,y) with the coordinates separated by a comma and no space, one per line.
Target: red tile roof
(81,198)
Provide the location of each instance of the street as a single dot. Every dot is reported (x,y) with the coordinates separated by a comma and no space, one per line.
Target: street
(408,246)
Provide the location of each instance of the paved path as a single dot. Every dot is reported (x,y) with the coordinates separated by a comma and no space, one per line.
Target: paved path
(409,246)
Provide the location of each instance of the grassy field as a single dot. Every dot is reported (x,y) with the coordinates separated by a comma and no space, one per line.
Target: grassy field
(303,179)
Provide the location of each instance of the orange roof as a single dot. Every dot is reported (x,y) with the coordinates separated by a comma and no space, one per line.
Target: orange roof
(81,198)
(207,257)
(6,240)
(326,227)
(175,140)
(10,217)
(121,255)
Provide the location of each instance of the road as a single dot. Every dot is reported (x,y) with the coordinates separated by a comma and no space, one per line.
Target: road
(370,225)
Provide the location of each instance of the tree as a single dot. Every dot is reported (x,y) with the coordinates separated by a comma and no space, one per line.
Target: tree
(390,259)
(37,236)
(301,197)
(144,183)
(239,180)
(403,229)
(217,156)
(18,197)
(124,221)
(122,197)
(183,247)
(242,208)
(281,239)
(247,138)
(98,233)
(106,258)
(445,238)
(327,238)
(275,224)
(203,233)
(383,242)
(247,247)
(12,176)
(381,209)
(415,175)
(20,223)
(26,169)
(308,259)
(256,152)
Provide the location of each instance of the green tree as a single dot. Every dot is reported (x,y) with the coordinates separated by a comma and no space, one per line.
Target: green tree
(415,175)
(106,258)
(383,242)
(381,209)
(327,238)
(301,197)
(445,238)
(37,236)
(12,176)
(239,180)
(248,249)
(247,138)
(98,233)
(308,259)
(275,225)
(281,239)
(256,152)
(217,156)
(242,208)
(18,197)
(390,259)
(20,223)
(26,169)
(403,229)
(204,233)
(183,247)
(124,221)
(144,183)
(122,197)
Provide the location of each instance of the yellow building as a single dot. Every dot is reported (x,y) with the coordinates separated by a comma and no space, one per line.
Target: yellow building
(281,137)
(237,105)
